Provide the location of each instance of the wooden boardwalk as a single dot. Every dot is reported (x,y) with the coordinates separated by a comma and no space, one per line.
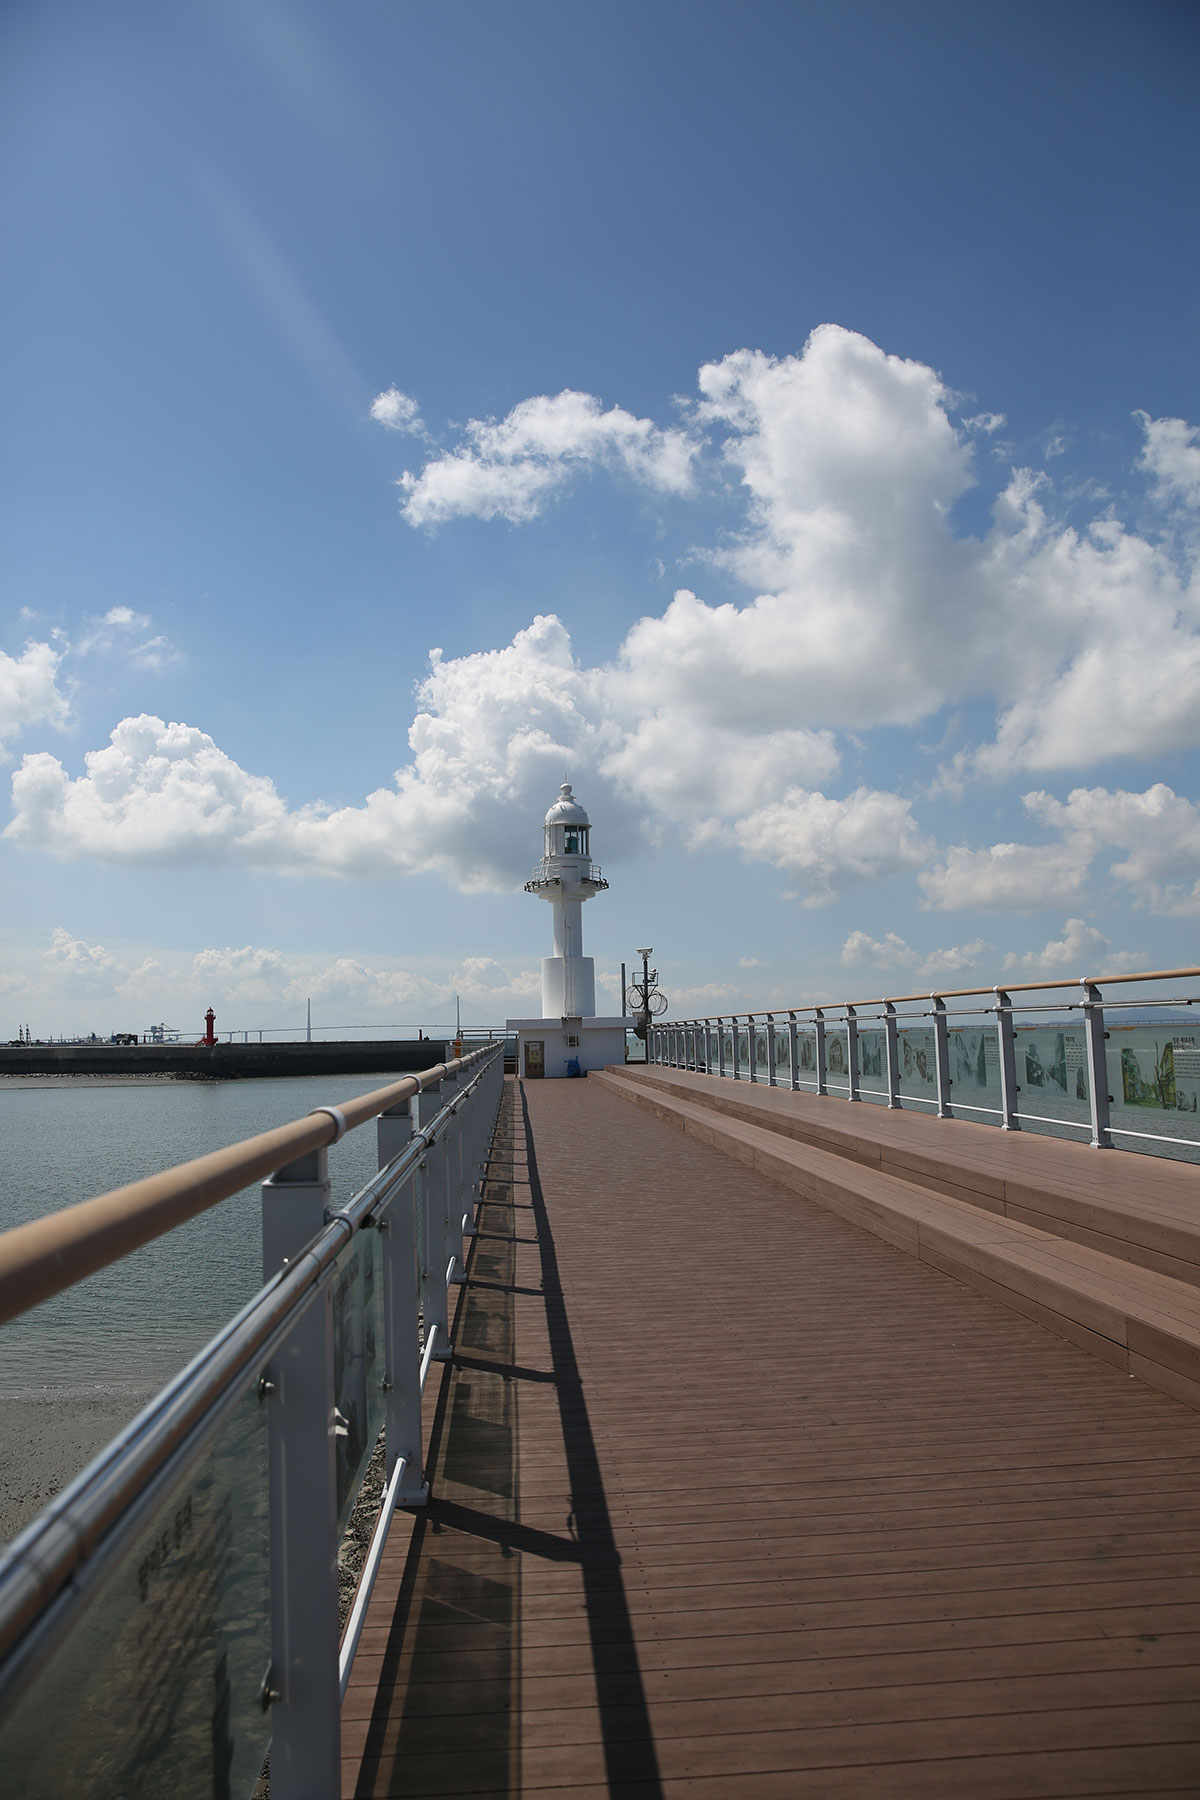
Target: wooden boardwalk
(734,1499)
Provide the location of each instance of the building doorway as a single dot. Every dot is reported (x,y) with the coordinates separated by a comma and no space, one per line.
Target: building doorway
(535,1059)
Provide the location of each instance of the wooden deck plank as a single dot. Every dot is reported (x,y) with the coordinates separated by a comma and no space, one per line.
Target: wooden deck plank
(731,1498)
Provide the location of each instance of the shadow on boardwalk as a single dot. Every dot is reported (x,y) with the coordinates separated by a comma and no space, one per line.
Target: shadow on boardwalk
(453,1716)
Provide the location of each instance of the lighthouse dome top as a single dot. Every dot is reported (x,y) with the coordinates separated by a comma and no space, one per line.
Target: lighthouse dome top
(566,809)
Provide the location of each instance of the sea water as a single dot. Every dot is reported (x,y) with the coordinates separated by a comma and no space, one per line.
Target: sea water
(139,1321)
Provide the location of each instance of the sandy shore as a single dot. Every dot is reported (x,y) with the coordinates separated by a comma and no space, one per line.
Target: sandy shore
(46,1438)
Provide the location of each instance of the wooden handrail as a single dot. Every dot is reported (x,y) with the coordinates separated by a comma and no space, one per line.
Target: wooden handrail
(45,1256)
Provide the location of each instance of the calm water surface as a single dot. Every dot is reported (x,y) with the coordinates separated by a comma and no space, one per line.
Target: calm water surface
(69,1137)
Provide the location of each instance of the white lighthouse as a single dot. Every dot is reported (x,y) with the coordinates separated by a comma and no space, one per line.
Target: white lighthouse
(568,1039)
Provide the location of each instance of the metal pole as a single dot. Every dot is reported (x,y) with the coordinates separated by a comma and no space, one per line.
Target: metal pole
(852,1051)
(1006,1036)
(892,1045)
(941,1049)
(1097,1066)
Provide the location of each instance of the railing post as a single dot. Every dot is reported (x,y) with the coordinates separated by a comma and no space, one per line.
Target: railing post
(720,1047)
(819,1049)
(393,1132)
(1007,1040)
(708,1046)
(891,1037)
(751,1047)
(433,1201)
(306,1720)
(941,1056)
(1101,1099)
(852,1051)
(453,1149)
(793,1071)
(401,1312)
(771,1081)
(736,1042)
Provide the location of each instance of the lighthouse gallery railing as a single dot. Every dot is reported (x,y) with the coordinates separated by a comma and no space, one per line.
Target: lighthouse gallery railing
(174,1613)
(1062,1063)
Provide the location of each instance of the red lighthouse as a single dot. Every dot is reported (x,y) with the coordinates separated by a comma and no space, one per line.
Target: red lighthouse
(210,1036)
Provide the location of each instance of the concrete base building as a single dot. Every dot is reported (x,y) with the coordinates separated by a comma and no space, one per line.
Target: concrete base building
(568,1039)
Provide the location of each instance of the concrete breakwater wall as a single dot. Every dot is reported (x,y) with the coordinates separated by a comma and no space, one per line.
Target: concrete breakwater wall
(223,1062)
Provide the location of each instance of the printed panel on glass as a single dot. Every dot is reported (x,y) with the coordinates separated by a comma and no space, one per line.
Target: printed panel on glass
(872,1063)
(918,1063)
(975,1069)
(1052,1074)
(157,1687)
(837,1060)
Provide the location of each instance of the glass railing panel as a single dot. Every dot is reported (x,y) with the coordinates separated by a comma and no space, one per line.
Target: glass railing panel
(783,1065)
(837,1060)
(975,1071)
(358,1363)
(762,1067)
(727,1051)
(918,1063)
(872,1064)
(743,1054)
(1154,1080)
(806,1057)
(157,1686)
(1052,1075)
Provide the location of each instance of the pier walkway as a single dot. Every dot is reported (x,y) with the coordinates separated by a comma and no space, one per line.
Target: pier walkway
(731,1497)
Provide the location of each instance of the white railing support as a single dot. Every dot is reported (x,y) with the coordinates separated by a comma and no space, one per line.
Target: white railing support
(433,1201)
(819,1049)
(891,1035)
(941,1056)
(793,1069)
(1007,1041)
(852,1052)
(1097,1065)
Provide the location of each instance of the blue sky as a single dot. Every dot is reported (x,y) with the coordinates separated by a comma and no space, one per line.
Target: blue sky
(822,377)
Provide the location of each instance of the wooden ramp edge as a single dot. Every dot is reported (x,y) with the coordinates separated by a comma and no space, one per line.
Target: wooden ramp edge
(1144,1209)
(1139,1320)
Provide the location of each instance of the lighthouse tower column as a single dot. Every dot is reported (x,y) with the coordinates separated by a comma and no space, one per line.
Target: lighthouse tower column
(566,877)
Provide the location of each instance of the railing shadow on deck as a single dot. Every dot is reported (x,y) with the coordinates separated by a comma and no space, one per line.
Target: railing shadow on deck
(460,1603)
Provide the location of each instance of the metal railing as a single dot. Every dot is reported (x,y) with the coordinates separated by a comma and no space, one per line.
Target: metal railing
(175,1611)
(1084,1057)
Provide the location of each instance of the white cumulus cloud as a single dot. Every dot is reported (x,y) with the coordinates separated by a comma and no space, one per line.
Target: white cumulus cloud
(869,607)
(398,411)
(508,468)
(832,844)
(1171,455)
(1081,950)
(861,951)
(1006,877)
(29,692)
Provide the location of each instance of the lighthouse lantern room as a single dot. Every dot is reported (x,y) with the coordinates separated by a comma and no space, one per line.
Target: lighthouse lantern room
(568,1039)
